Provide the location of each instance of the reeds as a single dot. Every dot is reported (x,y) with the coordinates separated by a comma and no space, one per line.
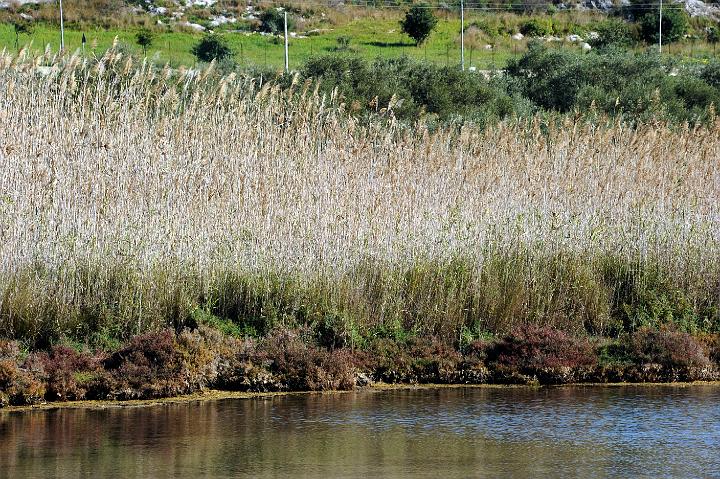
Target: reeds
(132,197)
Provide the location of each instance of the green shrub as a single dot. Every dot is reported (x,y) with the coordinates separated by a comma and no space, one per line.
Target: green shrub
(413,88)
(675,24)
(212,47)
(144,38)
(613,32)
(711,74)
(273,21)
(419,22)
(537,27)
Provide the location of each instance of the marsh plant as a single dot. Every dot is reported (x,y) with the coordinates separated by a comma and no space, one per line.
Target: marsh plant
(135,199)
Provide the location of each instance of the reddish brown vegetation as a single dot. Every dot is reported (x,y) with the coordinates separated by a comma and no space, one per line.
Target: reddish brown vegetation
(667,348)
(68,374)
(531,348)
(164,363)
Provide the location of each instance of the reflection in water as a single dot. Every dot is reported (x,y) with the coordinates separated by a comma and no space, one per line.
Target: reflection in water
(474,432)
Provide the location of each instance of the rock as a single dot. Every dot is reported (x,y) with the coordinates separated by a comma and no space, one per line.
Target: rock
(585,47)
(363,379)
(518,36)
(698,8)
(194,26)
(218,20)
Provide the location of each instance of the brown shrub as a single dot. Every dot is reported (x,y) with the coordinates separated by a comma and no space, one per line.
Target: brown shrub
(18,386)
(301,366)
(533,348)
(212,359)
(69,375)
(149,366)
(419,360)
(668,348)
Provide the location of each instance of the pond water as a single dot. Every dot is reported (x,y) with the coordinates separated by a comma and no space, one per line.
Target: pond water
(627,431)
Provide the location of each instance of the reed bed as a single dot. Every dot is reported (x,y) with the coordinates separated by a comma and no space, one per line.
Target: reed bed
(133,198)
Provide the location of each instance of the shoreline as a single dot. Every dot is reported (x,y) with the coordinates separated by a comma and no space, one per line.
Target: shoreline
(220,395)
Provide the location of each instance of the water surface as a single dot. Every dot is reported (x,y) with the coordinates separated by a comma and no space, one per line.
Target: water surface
(628,431)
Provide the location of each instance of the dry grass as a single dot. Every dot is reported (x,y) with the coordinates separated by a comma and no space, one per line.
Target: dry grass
(130,196)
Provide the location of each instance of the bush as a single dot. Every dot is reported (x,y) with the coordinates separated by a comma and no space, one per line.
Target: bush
(532,348)
(614,82)
(70,375)
(212,47)
(273,21)
(665,347)
(419,22)
(18,385)
(675,24)
(302,366)
(711,74)
(613,32)
(144,38)
(412,87)
(537,27)
(149,366)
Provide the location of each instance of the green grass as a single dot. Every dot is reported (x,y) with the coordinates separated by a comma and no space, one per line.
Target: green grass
(370,38)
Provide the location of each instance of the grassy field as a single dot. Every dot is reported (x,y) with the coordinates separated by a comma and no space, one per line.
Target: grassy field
(370,37)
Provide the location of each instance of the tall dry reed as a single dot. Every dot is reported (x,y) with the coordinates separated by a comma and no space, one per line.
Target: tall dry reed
(131,196)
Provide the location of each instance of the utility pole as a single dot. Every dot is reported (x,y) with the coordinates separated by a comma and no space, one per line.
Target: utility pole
(62,29)
(462,35)
(287,64)
(660,38)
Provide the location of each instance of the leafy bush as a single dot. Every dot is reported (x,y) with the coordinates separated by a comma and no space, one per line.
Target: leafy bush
(537,27)
(667,348)
(273,21)
(613,32)
(614,82)
(531,348)
(144,38)
(212,47)
(710,74)
(411,88)
(419,22)
(675,24)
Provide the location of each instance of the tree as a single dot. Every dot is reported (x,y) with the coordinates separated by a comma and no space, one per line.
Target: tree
(144,38)
(419,22)
(212,47)
(273,21)
(675,25)
(21,26)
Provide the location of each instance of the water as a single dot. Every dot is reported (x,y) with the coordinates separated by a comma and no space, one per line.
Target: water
(629,431)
